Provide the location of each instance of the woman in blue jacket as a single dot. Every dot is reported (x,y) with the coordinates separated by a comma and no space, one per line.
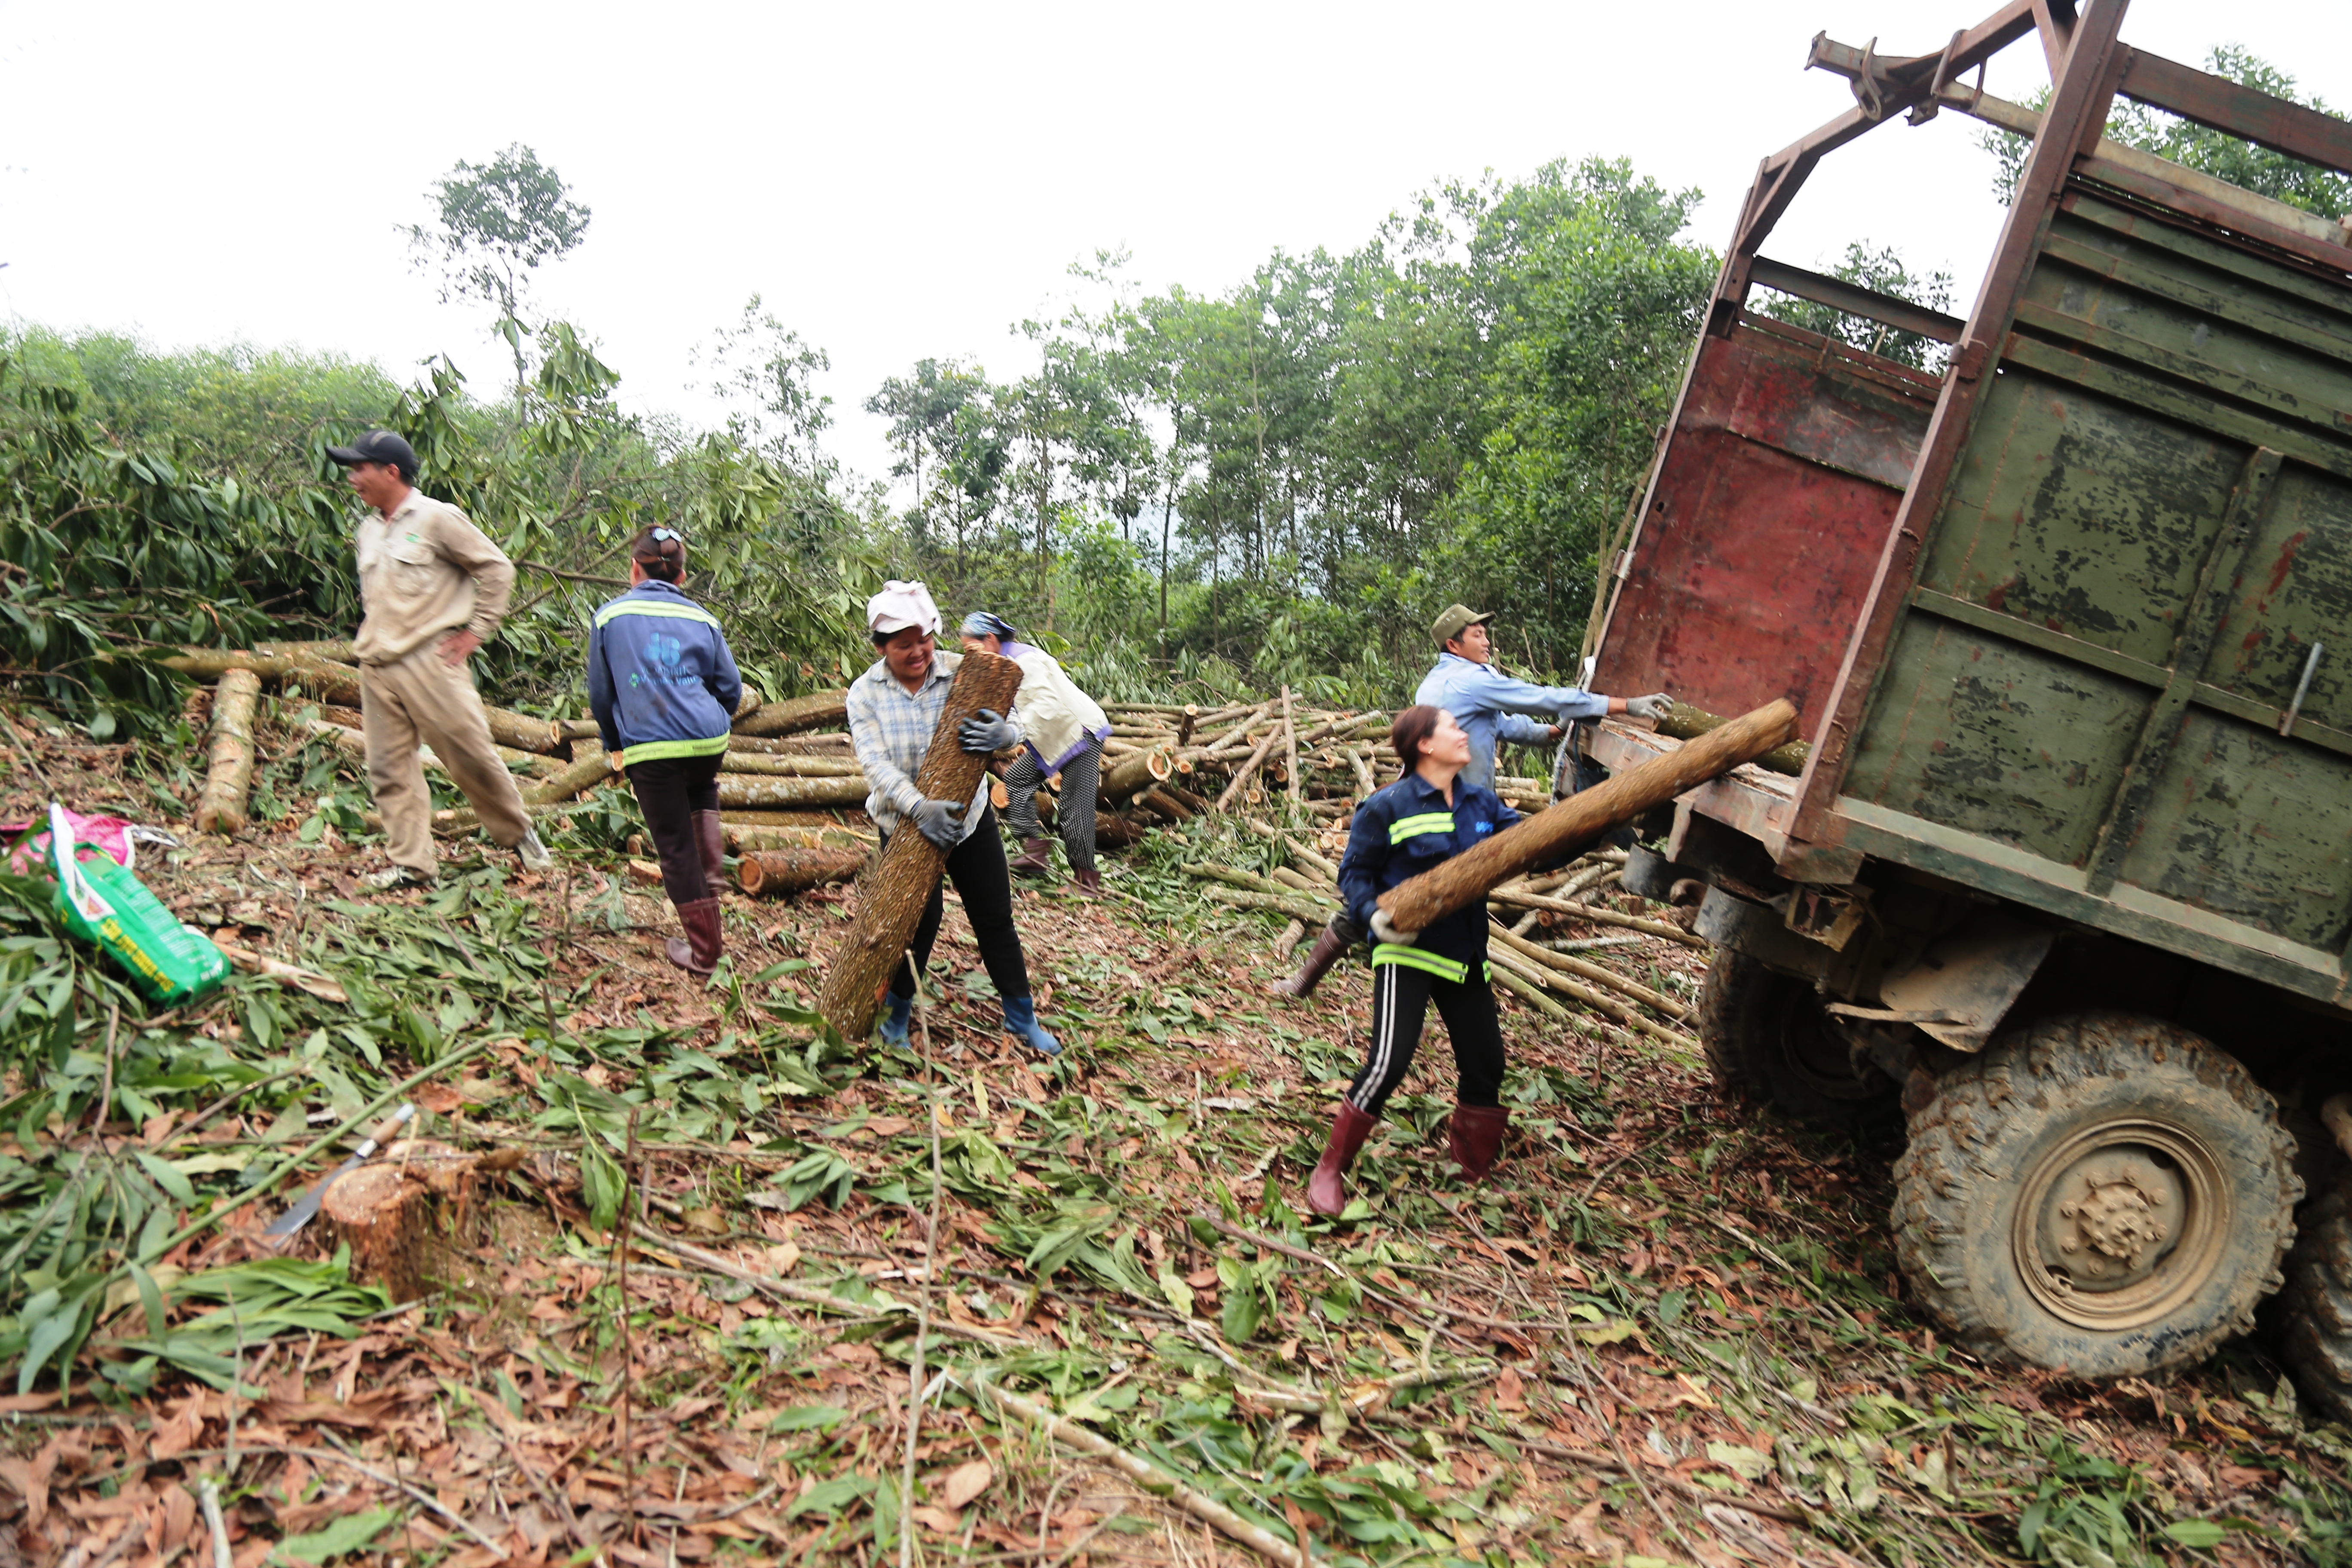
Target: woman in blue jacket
(1427,816)
(663,688)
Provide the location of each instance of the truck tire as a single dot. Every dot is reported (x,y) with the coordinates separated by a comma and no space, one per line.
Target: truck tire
(1768,1041)
(2315,1307)
(2097,1192)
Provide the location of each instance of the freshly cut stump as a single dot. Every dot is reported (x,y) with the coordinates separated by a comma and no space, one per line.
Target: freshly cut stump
(772,873)
(2099,1193)
(396,1212)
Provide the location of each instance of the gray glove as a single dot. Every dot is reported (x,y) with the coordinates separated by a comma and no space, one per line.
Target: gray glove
(1652,707)
(941,821)
(987,731)
(1383,930)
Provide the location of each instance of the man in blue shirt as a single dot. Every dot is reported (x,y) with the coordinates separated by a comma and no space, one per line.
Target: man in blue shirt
(1491,706)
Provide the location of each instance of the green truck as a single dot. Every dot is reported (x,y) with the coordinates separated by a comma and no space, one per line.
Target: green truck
(2064,877)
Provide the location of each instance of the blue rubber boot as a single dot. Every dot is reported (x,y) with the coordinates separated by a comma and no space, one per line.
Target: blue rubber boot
(896,1018)
(1021,1021)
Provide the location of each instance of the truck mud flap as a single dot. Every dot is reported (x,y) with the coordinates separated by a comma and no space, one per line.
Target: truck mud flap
(1965,981)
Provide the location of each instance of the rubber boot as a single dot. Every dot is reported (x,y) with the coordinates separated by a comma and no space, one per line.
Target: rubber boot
(1021,1023)
(1326,1190)
(897,1018)
(1474,1136)
(1327,952)
(711,843)
(1036,860)
(698,952)
(1088,882)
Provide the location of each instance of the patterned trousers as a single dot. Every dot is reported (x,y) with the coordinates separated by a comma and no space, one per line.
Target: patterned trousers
(1081,782)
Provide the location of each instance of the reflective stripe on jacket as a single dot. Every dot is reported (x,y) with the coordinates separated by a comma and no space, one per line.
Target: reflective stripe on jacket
(1403,831)
(661,681)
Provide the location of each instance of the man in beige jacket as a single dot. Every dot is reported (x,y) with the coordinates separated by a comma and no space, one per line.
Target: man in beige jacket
(433,588)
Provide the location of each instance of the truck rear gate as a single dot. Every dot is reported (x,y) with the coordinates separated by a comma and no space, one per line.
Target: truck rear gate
(2070,628)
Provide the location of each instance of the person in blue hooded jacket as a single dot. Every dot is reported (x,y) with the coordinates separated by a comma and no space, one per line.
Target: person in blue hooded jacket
(1428,816)
(663,688)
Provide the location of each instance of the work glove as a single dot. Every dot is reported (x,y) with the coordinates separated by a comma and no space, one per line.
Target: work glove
(1384,930)
(1652,707)
(987,731)
(940,821)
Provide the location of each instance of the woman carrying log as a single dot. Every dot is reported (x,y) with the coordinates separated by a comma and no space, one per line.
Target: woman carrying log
(1427,816)
(894,710)
(1060,730)
(663,687)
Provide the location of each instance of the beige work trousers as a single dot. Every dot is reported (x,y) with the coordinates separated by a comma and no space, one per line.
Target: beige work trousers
(421,699)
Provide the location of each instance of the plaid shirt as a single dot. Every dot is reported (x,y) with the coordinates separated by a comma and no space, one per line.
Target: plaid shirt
(892,729)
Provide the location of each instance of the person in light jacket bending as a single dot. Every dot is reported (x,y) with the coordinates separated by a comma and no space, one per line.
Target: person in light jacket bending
(1060,730)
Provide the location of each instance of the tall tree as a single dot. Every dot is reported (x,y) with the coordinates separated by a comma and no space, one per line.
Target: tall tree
(496,224)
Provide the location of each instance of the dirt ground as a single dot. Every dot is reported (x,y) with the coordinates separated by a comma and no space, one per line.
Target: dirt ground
(725,1259)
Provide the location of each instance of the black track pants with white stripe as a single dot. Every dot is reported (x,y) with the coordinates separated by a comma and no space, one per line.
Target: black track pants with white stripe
(1401,999)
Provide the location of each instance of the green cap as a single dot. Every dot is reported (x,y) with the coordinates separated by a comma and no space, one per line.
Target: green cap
(1457,619)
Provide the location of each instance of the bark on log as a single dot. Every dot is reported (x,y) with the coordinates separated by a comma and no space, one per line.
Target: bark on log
(339,652)
(1235,790)
(1684,723)
(221,807)
(892,906)
(1570,827)
(1113,831)
(1138,772)
(829,748)
(525,733)
(822,711)
(1594,915)
(742,790)
(589,768)
(1289,746)
(771,873)
(1583,969)
(783,767)
(321,679)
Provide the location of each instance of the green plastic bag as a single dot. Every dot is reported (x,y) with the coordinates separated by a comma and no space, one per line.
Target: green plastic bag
(103,903)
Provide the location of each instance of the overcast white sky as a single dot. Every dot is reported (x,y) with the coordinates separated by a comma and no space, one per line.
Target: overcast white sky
(911,180)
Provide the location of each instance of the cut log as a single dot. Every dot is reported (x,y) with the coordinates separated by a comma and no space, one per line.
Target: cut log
(221,807)
(1583,969)
(820,712)
(1239,788)
(525,733)
(1113,831)
(856,822)
(338,652)
(1571,827)
(322,678)
(1289,746)
(1296,908)
(1684,723)
(788,767)
(740,790)
(1597,916)
(771,873)
(589,768)
(1139,772)
(834,748)
(892,905)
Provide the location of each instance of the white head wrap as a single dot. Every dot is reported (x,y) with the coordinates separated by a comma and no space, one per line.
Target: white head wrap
(902,604)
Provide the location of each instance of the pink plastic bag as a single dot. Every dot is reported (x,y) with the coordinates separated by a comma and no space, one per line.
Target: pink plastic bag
(110,834)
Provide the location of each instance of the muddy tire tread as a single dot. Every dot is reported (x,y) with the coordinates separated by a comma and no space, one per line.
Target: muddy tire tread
(2314,1308)
(2040,1069)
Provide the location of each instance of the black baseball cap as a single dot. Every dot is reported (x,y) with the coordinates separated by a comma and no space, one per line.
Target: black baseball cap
(379,447)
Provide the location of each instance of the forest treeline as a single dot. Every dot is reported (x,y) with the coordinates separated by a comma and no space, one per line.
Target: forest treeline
(1203,492)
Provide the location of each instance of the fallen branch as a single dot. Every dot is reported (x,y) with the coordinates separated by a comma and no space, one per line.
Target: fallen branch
(1296,908)
(301,979)
(1585,969)
(1528,991)
(1146,1475)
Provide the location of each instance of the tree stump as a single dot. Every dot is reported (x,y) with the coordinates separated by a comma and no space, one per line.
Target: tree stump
(892,905)
(772,873)
(396,1213)
(222,807)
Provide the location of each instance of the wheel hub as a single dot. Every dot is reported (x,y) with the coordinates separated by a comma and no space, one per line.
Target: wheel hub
(2111,1232)
(2120,1222)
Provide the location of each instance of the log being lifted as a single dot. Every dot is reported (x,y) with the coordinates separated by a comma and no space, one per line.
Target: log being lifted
(1568,828)
(221,809)
(771,873)
(1684,723)
(892,905)
(824,711)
